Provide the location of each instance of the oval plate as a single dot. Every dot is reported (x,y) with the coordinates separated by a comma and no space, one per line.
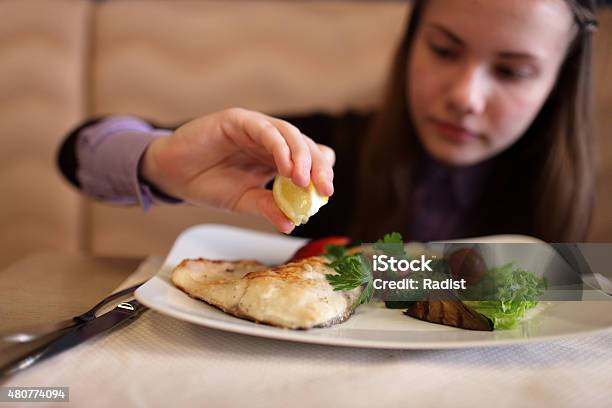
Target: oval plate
(372,326)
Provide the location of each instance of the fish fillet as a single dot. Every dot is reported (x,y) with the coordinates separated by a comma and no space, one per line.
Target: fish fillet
(294,296)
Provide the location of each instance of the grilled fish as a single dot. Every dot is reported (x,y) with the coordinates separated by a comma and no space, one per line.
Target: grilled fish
(295,295)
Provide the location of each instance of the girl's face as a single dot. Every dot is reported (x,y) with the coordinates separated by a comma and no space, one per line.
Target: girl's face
(480,70)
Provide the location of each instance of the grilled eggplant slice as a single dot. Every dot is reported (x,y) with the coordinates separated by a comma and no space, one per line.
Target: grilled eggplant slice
(449,311)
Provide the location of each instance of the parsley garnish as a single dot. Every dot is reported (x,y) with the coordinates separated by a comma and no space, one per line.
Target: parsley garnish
(392,245)
(392,238)
(353,272)
(350,273)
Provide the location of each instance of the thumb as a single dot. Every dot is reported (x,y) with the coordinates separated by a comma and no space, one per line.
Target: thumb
(259,201)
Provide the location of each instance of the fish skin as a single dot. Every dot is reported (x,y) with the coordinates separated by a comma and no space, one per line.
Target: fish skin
(296,295)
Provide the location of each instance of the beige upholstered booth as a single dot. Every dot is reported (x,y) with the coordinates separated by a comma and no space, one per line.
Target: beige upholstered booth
(64,60)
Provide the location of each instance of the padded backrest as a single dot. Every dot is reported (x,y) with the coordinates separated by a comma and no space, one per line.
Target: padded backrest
(42,65)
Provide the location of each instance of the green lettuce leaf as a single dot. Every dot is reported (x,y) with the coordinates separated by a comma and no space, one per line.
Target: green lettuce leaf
(504,294)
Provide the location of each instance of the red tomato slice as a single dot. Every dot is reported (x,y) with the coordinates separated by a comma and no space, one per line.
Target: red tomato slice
(316,247)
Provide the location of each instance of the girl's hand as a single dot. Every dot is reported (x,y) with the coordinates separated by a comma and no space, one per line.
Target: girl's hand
(225,159)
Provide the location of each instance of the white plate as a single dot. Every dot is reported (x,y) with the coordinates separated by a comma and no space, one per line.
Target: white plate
(371,326)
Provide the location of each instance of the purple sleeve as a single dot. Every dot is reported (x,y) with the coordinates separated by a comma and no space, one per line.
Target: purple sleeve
(108,154)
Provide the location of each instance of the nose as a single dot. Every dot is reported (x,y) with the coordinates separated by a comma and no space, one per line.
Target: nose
(468,92)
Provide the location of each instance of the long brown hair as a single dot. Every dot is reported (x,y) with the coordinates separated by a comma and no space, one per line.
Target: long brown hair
(542,186)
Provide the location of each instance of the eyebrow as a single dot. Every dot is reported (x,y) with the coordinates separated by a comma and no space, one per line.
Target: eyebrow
(452,36)
(517,55)
(504,54)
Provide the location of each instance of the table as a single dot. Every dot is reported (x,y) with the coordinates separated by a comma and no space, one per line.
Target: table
(161,361)
(50,286)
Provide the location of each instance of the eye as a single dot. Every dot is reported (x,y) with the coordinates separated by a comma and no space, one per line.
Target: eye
(514,74)
(446,53)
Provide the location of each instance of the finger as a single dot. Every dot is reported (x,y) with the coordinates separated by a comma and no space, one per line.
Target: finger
(300,152)
(259,201)
(262,132)
(322,172)
(328,152)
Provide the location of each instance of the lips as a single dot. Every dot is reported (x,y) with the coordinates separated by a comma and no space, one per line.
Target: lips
(454,132)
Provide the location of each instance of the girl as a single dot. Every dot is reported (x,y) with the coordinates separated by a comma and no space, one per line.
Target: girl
(485,129)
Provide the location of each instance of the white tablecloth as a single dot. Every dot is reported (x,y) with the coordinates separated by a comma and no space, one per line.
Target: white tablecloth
(164,362)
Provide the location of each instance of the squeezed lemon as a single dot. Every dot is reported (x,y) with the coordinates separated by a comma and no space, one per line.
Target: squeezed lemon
(297,203)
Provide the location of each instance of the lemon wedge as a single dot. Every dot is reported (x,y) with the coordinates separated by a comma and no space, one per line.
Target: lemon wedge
(297,203)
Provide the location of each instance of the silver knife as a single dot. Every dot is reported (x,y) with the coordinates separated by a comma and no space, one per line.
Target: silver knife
(123,313)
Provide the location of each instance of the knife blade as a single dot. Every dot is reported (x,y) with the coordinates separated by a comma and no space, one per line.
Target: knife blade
(122,314)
